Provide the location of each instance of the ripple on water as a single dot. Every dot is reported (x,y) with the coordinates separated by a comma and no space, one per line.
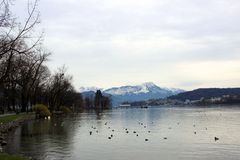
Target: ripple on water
(172,135)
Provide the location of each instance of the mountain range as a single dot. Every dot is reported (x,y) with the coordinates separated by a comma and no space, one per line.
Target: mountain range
(132,93)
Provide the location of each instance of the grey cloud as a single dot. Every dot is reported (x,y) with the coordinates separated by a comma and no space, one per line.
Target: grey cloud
(128,36)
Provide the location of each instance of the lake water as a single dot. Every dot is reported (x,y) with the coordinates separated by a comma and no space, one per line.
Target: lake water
(173,133)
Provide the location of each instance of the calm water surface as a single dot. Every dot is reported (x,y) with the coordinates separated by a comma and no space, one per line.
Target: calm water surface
(190,135)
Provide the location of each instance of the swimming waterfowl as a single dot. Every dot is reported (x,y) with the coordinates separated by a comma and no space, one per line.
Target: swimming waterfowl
(216,138)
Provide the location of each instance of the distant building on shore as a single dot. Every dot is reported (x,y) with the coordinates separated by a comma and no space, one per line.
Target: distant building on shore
(125,105)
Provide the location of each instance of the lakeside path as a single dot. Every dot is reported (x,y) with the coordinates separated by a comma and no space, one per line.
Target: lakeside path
(8,114)
(10,118)
(7,123)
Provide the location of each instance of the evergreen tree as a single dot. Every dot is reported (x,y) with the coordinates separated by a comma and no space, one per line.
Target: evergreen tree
(98,99)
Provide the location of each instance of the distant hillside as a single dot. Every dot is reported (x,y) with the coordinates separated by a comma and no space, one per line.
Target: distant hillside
(91,94)
(134,93)
(88,94)
(206,93)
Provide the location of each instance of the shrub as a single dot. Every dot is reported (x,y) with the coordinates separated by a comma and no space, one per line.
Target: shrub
(65,109)
(41,110)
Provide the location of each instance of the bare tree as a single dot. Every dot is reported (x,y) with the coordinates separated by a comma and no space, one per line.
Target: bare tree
(16,38)
(24,77)
(4,13)
(59,86)
(31,71)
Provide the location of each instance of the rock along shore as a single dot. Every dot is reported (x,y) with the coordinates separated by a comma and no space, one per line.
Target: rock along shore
(7,127)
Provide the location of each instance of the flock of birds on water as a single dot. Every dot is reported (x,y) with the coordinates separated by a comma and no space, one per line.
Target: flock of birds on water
(127,131)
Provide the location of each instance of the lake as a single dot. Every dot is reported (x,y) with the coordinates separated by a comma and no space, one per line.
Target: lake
(162,133)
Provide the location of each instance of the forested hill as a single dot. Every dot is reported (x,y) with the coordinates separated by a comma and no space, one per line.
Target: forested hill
(206,93)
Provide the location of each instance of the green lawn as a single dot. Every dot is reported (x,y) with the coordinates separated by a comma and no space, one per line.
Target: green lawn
(10,118)
(4,156)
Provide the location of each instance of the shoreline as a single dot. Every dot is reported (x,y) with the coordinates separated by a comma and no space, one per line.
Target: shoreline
(9,123)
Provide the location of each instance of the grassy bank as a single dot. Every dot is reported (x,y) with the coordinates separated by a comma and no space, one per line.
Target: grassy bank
(5,156)
(5,124)
(11,118)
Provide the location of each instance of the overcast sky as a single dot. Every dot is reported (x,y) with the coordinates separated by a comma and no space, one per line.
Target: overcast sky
(174,43)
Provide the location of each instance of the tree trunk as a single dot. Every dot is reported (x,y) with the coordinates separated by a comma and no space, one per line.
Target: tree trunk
(24,103)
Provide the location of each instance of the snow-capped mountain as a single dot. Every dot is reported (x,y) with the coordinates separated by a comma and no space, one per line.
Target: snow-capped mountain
(88,89)
(140,92)
(144,88)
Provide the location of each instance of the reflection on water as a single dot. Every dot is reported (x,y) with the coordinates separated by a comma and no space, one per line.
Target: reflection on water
(172,133)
